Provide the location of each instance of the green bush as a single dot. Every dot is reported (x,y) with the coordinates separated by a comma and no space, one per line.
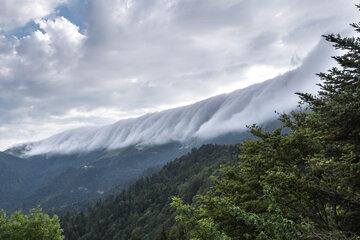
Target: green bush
(34,226)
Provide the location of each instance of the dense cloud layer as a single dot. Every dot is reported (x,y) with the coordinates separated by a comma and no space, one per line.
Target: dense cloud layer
(65,64)
(227,113)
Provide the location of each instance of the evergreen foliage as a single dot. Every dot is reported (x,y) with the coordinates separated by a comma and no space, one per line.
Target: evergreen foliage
(143,211)
(301,181)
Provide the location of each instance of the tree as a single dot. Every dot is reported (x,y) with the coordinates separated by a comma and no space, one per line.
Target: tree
(34,226)
(301,181)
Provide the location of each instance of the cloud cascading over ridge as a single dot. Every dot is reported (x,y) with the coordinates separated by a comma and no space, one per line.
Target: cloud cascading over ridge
(195,123)
(74,63)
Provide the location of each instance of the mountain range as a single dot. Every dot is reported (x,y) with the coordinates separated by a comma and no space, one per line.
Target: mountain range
(70,168)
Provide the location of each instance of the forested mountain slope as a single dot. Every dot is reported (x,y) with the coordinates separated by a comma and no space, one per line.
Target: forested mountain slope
(15,178)
(143,211)
(83,164)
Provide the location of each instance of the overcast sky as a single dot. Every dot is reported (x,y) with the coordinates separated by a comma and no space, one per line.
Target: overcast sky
(71,63)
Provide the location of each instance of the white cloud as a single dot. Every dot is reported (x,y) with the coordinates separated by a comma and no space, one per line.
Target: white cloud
(132,57)
(15,13)
(32,69)
(43,57)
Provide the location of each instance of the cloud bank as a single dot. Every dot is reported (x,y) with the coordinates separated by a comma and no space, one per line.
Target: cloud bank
(65,64)
(226,113)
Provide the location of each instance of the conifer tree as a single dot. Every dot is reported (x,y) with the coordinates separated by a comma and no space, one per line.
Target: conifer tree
(301,185)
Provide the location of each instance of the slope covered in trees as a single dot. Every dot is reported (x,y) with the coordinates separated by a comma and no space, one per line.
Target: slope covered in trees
(301,181)
(143,211)
(300,185)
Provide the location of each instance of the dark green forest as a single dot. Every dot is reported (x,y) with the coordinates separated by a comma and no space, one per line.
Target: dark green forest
(143,211)
(300,181)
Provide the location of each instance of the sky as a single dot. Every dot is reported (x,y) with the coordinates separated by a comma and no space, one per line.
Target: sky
(72,63)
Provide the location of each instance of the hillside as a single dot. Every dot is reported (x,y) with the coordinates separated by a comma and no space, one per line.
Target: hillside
(143,211)
(16,178)
(61,181)
(87,163)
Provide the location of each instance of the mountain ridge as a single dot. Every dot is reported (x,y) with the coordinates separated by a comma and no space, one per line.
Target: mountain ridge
(83,164)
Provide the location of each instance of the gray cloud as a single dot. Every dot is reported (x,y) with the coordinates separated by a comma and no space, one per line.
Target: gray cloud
(134,57)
